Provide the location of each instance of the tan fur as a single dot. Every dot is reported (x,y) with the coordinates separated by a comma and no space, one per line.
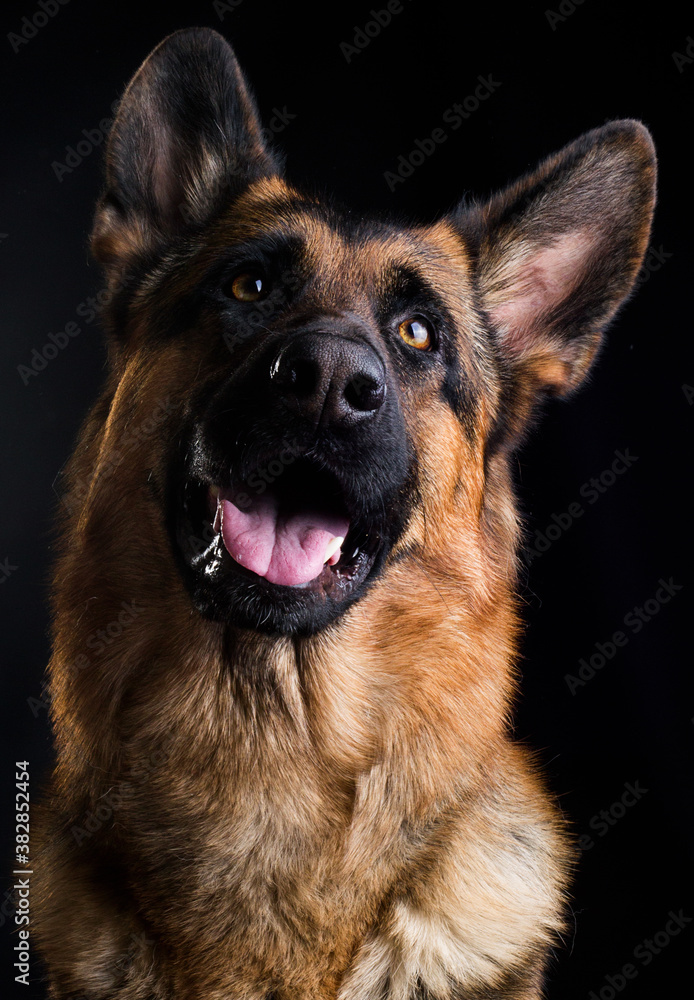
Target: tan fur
(335,817)
(394,721)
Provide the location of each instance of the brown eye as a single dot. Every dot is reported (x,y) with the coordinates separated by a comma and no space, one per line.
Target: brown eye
(248,287)
(417,333)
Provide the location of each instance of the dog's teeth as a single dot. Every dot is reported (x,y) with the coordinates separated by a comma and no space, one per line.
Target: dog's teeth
(216,499)
(332,553)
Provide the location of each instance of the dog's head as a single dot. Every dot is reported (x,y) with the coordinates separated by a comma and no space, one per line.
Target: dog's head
(341,395)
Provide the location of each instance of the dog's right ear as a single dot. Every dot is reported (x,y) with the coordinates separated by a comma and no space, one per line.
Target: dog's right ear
(186,139)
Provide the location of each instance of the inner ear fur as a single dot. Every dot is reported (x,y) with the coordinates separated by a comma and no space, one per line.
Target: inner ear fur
(186,138)
(558,252)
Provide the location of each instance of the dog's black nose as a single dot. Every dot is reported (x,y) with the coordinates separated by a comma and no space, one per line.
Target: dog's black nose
(330,379)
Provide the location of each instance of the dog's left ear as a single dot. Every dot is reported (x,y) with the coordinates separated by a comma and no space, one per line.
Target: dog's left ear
(186,138)
(558,252)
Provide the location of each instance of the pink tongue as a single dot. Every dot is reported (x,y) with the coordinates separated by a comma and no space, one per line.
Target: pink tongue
(284,547)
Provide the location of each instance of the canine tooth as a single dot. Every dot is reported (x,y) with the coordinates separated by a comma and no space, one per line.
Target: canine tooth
(215,496)
(332,550)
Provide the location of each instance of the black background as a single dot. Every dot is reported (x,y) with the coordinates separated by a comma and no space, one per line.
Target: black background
(632,722)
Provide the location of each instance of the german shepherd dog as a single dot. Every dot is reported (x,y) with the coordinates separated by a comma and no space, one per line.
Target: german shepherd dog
(285,623)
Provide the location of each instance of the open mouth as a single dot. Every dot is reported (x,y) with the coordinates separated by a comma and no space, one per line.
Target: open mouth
(296,531)
(289,542)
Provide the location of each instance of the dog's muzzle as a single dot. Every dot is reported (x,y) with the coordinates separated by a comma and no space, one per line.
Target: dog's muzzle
(294,474)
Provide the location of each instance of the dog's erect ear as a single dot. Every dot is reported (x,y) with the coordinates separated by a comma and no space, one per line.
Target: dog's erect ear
(186,137)
(558,252)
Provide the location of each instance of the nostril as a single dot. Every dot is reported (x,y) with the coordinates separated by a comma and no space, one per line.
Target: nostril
(300,375)
(365,393)
(304,376)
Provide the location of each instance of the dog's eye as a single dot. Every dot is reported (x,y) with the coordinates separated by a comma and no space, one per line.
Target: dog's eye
(417,333)
(247,287)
